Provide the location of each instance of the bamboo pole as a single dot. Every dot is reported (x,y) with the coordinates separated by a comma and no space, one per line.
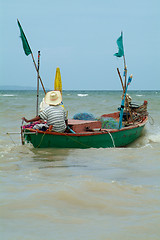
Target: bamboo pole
(126,96)
(125,82)
(125,70)
(125,67)
(37,72)
(38,83)
(121,79)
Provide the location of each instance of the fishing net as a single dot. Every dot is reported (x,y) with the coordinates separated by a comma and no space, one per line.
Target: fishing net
(84,116)
(109,123)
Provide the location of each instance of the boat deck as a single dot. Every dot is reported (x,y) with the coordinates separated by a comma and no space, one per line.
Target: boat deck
(84,126)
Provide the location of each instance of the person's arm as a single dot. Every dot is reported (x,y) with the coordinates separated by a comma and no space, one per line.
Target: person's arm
(66,121)
(66,117)
(31,120)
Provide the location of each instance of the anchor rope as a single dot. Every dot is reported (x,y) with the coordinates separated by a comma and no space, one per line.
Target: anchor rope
(111,138)
(150,118)
(11,138)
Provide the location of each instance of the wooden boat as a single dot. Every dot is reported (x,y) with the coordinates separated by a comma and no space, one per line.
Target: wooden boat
(87,134)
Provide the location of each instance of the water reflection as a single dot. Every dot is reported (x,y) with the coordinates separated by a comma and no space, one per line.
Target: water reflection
(54,158)
(50,154)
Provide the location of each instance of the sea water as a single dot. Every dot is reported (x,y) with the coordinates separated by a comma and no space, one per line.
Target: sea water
(75,194)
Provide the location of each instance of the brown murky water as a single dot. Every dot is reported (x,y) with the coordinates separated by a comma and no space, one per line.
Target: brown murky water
(92,194)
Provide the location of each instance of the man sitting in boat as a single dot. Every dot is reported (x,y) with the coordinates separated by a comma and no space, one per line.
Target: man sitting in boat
(54,113)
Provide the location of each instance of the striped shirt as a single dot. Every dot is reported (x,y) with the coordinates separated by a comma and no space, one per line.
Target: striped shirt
(56,116)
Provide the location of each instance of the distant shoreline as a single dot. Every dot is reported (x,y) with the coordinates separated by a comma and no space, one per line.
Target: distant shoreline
(16,88)
(20,88)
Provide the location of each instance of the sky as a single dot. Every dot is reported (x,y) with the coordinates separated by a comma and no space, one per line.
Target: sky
(79,37)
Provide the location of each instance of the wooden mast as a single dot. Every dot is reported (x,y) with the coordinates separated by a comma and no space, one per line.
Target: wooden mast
(38,83)
(37,72)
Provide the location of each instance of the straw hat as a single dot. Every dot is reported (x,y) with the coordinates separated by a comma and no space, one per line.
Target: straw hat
(53,98)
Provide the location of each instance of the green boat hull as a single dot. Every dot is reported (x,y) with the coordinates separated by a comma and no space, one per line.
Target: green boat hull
(104,139)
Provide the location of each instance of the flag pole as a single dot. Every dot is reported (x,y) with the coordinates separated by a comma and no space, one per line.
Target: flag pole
(28,51)
(37,72)
(123,102)
(125,67)
(121,79)
(126,96)
(120,53)
(125,72)
(38,83)
(125,85)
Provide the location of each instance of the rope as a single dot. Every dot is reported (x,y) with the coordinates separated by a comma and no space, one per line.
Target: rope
(138,113)
(74,140)
(40,141)
(111,138)
(150,118)
(90,146)
(11,138)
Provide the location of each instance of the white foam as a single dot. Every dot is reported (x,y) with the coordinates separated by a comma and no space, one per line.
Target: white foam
(154,138)
(82,95)
(139,95)
(7,95)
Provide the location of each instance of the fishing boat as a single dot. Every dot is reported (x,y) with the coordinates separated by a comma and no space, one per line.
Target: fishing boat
(117,129)
(87,134)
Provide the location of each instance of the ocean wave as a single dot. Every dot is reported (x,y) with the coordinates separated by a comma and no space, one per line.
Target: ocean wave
(82,95)
(139,95)
(155,138)
(7,95)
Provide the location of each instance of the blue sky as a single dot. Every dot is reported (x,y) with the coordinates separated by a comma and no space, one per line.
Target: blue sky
(80,38)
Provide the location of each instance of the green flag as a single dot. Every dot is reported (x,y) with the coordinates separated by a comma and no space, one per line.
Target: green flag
(26,46)
(120,47)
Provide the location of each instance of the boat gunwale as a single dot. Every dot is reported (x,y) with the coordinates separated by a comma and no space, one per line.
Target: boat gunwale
(103,131)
